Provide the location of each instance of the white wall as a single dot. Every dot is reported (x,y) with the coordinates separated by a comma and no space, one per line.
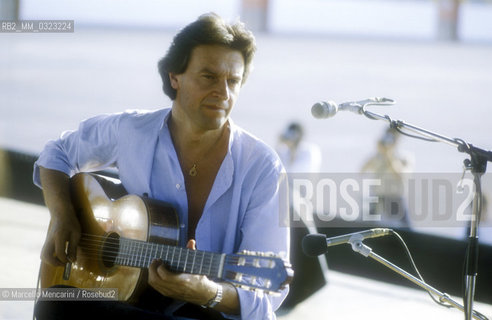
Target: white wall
(401,19)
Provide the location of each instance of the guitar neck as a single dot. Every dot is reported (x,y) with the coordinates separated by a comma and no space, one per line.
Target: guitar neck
(140,254)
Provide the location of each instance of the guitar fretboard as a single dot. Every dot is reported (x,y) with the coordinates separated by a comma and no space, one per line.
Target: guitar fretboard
(140,254)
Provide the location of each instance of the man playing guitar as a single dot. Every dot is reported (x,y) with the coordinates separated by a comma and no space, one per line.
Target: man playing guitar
(226,185)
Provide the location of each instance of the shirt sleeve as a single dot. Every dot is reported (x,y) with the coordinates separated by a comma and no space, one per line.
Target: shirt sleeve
(263,230)
(92,147)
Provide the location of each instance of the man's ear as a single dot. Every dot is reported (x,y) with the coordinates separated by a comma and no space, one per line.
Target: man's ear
(174,80)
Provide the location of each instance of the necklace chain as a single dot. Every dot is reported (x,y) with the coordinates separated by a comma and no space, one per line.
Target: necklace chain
(194,169)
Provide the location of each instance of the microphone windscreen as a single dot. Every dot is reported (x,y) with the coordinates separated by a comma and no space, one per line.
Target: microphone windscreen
(314,244)
(322,110)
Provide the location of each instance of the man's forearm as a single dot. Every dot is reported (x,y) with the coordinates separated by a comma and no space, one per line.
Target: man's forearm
(56,192)
(230,301)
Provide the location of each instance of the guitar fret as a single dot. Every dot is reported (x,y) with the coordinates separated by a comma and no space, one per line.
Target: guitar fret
(179,257)
(186,260)
(130,252)
(160,254)
(193,263)
(145,255)
(215,265)
(154,255)
(138,254)
(221,265)
(172,258)
(135,254)
(148,255)
(201,263)
(210,266)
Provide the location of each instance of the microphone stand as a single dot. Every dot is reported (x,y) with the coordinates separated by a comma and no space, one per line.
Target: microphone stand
(477,164)
(366,251)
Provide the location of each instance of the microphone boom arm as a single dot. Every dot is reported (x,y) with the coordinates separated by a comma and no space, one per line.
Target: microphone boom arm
(366,251)
(461,145)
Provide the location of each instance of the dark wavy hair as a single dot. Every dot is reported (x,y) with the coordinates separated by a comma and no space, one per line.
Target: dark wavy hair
(208,29)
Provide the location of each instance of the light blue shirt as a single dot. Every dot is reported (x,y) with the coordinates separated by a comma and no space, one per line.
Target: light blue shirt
(246,205)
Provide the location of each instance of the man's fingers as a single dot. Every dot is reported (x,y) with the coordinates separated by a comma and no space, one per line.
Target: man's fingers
(154,273)
(153,266)
(60,250)
(47,255)
(191,244)
(72,246)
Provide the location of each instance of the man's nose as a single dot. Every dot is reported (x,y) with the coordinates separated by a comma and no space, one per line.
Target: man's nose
(222,90)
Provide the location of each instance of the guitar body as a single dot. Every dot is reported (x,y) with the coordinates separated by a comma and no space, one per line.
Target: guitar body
(131,217)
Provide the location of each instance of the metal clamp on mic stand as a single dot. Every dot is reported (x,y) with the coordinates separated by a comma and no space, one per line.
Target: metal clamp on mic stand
(357,245)
(478,165)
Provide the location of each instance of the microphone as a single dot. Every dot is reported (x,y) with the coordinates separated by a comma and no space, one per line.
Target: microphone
(316,244)
(323,110)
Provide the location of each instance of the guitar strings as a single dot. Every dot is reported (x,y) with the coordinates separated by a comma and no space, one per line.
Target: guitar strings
(115,243)
(94,245)
(98,241)
(104,241)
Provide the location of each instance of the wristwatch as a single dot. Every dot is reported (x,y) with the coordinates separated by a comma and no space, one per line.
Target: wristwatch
(215,300)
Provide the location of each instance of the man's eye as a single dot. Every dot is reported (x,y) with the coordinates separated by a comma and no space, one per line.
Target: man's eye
(234,81)
(209,76)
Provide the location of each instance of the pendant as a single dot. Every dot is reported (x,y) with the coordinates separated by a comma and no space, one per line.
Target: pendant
(193,171)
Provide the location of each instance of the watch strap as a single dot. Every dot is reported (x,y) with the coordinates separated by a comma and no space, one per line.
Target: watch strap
(215,300)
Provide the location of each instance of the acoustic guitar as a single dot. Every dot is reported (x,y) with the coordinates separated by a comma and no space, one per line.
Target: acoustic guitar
(122,234)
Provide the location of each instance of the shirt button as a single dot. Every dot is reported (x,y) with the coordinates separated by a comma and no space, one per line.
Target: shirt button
(182,226)
(178,186)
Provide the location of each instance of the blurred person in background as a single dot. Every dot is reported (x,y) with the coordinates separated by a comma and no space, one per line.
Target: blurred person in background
(297,154)
(302,159)
(390,166)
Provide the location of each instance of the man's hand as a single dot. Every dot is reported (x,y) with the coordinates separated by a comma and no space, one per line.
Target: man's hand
(64,231)
(197,289)
(61,241)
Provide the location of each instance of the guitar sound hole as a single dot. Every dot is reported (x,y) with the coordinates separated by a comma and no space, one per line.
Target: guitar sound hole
(110,249)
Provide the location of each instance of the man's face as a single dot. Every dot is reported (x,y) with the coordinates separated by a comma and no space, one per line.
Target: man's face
(207,90)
